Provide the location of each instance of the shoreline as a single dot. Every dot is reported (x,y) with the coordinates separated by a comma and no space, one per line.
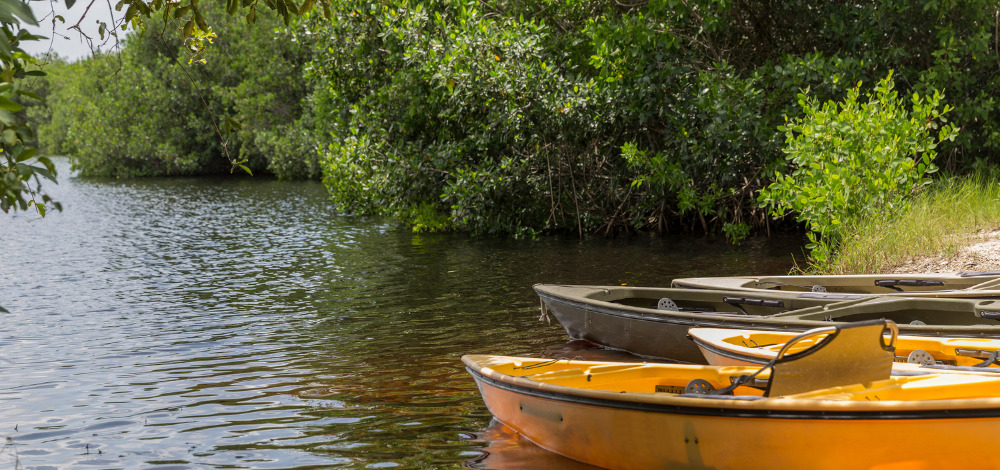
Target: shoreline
(980,253)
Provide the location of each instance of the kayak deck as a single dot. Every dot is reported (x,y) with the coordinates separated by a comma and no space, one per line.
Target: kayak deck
(962,284)
(648,381)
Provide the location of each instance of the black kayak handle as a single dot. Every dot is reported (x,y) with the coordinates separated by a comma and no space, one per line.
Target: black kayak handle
(892,283)
(750,301)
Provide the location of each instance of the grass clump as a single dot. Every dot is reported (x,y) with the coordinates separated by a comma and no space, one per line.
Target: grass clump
(940,221)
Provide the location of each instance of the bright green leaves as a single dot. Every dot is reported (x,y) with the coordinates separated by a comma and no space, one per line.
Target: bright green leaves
(15,11)
(7,104)
(197,43)
(20,178)
(854,157)
(17,173)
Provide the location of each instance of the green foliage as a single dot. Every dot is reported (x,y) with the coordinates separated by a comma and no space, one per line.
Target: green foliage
(852,158)
(523,116)
(426,218)
(21,171)
(518,117)
(512,126)
(138,114)
(736,232)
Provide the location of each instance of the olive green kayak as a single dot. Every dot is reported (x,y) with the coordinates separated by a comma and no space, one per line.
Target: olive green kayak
(655,321)
(961,284)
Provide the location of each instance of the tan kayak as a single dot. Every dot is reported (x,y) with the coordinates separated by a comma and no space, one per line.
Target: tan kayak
(834,406)
(655,321)
(921,285)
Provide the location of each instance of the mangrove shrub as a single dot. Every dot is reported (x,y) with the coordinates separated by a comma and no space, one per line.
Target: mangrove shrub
(853,157)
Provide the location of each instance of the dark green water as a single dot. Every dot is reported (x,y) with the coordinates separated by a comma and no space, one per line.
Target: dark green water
(242,323)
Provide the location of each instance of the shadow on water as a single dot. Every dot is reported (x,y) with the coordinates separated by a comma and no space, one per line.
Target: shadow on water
(242,323)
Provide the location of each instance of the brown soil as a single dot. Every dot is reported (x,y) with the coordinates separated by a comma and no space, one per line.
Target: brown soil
(982,254)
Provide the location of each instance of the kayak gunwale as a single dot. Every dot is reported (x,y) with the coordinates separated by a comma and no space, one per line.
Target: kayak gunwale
(728,353)
(784,321)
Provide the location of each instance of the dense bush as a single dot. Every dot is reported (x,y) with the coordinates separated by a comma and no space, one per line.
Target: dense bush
(513,117)
(854,158)
(517,116)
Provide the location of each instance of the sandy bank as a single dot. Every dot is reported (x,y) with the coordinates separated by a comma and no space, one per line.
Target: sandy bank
(982,253)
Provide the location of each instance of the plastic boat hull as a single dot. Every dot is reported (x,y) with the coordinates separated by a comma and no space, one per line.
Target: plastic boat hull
(629,434)
(642,329)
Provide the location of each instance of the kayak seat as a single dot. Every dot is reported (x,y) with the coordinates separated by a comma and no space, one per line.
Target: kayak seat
(853,353)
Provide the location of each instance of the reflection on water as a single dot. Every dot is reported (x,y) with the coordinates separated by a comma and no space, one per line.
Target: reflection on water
(242,323)
(508,450)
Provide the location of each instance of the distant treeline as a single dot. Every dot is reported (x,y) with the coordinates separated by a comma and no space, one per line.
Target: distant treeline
(518,116)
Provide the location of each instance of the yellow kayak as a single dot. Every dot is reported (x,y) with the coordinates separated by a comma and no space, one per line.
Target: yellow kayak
(835,405)
(726,347)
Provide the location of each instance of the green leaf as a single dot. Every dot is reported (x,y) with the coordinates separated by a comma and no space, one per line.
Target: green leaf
(246,169)
(3,310)
(29,94)
(306,6)
(48,164)
(9,136)
(18,9)
(40,171)
(25,154)
(7,118)
(202,25)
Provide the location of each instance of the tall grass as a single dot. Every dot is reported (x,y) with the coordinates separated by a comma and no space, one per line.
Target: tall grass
(940,221)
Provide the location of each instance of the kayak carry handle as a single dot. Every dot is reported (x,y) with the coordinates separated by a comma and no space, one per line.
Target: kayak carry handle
(892,283)
(989,314)
(750,301)
(978,353)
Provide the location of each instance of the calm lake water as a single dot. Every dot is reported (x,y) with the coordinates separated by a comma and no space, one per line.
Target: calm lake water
(243,323)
